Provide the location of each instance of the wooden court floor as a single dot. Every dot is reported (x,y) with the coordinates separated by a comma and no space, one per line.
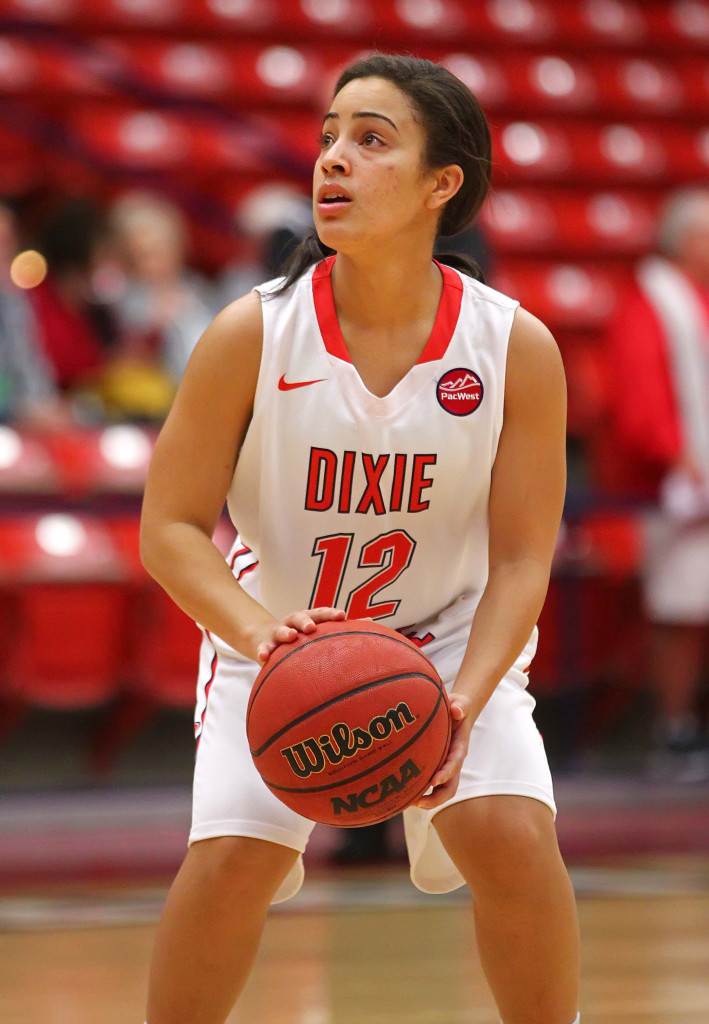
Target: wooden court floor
(366,950)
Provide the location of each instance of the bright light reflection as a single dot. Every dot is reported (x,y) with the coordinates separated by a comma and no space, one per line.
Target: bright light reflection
(10,447)
(60,535)
(125,447)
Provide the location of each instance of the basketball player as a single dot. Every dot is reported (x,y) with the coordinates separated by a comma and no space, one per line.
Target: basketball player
(390,436)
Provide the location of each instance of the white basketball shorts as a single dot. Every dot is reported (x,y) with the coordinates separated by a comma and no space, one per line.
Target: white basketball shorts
(506,756)
(675,573)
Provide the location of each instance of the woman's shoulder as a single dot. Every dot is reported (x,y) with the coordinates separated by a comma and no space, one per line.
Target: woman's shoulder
(533,356)
(243,315)
(233,339)
(480,292)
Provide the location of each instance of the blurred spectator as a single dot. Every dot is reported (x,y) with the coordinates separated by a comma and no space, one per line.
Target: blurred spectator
(75,330)
(271,221)
(659,352)
(164,308)
(28,394)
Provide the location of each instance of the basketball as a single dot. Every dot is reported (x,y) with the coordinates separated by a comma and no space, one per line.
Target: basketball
(348,724)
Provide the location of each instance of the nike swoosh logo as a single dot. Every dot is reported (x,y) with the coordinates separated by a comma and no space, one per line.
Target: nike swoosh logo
(283,384)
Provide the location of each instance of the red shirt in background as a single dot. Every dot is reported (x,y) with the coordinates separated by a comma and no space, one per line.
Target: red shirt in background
(67,334)
(647,435)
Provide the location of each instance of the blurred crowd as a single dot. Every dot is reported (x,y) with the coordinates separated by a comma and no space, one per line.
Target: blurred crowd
(657,350)
(100,309)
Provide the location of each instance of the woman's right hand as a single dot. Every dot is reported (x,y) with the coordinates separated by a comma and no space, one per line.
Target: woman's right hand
(266,640)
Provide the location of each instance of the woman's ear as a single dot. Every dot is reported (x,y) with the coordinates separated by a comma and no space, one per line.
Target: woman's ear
(447,181)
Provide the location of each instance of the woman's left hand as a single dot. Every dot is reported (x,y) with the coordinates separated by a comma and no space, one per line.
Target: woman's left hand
(445,781)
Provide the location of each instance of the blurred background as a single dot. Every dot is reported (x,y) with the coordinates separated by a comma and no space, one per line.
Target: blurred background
(155,163)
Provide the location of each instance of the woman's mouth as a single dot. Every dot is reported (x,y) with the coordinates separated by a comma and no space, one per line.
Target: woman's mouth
(333,198)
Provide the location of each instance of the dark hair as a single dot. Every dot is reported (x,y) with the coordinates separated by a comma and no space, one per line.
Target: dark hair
(70,235)
(456,133)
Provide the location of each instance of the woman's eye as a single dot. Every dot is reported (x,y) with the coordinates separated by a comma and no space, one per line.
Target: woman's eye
(325,140)
(371,139)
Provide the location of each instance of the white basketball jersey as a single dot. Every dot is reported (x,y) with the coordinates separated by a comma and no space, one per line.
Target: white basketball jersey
(375,505)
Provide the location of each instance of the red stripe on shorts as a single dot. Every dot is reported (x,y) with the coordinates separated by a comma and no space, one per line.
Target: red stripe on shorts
(199,726)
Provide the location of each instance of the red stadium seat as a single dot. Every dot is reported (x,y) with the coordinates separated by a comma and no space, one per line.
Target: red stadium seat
(134,138)
(167,652)
(526,150)
(19,67)
(41,70)
(565,296)
(612,543)
(639,152)
(558,222)
(39,10)
(70,644)
(550,83)
(430,20)
(180,68)
(483,74)
(695,80)
(113,459)
(232,17)
(514,21)
(680,24)
(136,14)
(617,154)
(26,464)
(277,74)
(161,668)
(65,580)
(58,547)
(639,86)
(611,223)
(195,147)
(245,73)
(21,164)
(599,23)
(558,83)
(521,221)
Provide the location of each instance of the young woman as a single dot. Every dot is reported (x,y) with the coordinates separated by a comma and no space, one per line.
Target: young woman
(390,436)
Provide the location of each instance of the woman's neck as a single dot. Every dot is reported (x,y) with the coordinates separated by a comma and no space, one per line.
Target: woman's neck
(386,294)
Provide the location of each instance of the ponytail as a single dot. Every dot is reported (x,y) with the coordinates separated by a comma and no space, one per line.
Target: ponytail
(308,251)
(462,262)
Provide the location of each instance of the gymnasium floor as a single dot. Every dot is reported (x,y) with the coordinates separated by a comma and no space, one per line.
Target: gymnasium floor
(83,876)
(365,950)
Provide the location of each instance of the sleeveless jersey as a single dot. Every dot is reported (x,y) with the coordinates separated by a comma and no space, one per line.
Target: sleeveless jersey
(375,505)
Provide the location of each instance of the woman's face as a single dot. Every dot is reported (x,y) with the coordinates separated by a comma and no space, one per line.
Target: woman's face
(370,183)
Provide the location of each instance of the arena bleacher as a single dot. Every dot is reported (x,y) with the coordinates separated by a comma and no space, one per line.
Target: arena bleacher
(598,108)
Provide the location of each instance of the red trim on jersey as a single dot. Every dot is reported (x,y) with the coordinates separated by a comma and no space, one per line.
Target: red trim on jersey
(247,568)
(446,317)
(241,551)
(326,312)
(207,688)
(443,327)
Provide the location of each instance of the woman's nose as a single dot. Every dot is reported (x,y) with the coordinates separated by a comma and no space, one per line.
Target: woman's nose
(335,159)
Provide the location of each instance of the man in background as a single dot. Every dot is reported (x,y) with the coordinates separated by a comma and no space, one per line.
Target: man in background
(658,346)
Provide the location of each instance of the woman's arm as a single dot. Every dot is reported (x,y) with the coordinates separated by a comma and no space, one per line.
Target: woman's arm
(526,503)
(190,473)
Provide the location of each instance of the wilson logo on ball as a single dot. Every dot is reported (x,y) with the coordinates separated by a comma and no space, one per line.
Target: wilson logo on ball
(311,756)
(371,795)
(459,391)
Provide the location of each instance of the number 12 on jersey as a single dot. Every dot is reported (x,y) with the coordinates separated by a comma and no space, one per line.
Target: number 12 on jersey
(390,553)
